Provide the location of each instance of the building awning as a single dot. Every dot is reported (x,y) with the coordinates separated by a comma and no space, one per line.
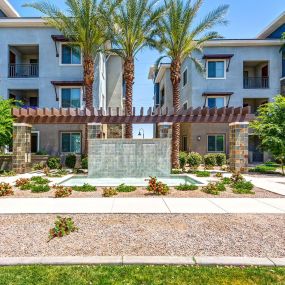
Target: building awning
(217,56)
(59,38)
(208,94)
(65,83)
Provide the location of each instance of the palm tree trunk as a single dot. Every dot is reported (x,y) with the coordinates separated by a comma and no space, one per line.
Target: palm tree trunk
(88,69)
(175,77)
(129,69)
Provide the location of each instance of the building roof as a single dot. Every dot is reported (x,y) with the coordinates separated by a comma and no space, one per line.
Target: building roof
(159,74)
(8,9)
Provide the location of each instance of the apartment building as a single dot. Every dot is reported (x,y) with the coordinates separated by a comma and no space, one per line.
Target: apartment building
(237,72)
(39,67)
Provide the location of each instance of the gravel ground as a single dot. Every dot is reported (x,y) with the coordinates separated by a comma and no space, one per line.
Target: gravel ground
(233,235)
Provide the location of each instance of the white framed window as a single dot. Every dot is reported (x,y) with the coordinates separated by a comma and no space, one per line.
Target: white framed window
(70,54)
(216,102)
(216,69)
(71,97)
(70,142)
(216,143)
(185,77)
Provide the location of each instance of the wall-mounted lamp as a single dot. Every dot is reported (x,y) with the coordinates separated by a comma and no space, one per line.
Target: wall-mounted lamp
(198,138)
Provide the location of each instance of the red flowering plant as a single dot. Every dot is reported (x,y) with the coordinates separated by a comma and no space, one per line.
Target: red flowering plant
(6,189)
(157,187)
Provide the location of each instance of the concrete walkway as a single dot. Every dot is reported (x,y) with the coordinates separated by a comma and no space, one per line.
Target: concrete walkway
(142,205)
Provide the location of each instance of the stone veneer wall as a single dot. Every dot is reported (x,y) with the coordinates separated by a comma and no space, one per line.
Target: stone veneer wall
(21,162)
(239,146)
(129,158)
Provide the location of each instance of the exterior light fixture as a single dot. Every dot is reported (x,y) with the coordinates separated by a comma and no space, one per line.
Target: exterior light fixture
(198,138)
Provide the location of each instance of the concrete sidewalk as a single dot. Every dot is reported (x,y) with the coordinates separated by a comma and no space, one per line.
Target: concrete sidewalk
(142,205)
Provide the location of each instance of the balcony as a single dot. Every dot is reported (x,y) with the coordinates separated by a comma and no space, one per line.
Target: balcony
(254,103)
(27,98)
(23,70)
(256,82)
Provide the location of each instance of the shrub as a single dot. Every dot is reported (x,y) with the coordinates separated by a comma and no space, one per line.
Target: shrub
(219,175)
(126,188)
(38,166)
(41,152)
(22,181)
(26,186)
(265,169)
(212,188)
(84,163)
(57,173)
(8,173)
(62,227)
(237,177)
(39,180)
(226,180)
(221,159)
(210,160)
(272,163)
(62,191)
(176,171)
(157,187)
(6,189)
(39,188)
(53,162)
(182,159)
(186,187)
(70,160)
(221,186)
(109,192)
(202,173)
(194,159)
(243,187)
(84,188)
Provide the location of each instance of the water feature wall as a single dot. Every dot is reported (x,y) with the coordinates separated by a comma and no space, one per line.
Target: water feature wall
(129,157)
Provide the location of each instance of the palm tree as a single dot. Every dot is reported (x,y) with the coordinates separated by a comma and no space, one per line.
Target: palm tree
(84,23)
(178,38)
(133,29)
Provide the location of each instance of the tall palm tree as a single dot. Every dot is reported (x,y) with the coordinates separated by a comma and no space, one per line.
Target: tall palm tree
(133,29)
(178,38)
(83,23)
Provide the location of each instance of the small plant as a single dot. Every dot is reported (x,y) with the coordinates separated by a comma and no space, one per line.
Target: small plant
(176,171)
(226,180)
(237,177)
(212,188)
(62,191)
(57,173)
(109,192)
(84,188)
(84,163)
(221,186)
(243,187)
(182,159)
(202,173)
(8,173)
(126,188)
(221,159)
(194,160)
(62,227)
(6,189)
(186,187)
(22,181)
(264,169)
(41,152)
(39,188)
(39,180)
(219,175)
(210,160)
(70,160)
(53,162)
(157,187)
(38,166)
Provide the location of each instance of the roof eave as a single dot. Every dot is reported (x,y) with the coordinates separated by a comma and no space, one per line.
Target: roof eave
(8,9)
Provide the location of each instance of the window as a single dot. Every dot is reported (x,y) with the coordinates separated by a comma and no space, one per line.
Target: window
(70,97)
(71,142)
(184,143)
(70,54)
(35,138)
(216,102)
(162,97)
(185,106)
(216,143)
(216,69)
(185,78)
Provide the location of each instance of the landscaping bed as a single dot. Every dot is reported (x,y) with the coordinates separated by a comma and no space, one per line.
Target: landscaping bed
(146,234)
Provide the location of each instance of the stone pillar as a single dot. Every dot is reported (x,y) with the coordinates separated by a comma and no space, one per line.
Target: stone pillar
(21,148)
(239,146)
(165,130)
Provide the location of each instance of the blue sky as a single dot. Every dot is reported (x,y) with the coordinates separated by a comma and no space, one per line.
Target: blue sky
(246,19)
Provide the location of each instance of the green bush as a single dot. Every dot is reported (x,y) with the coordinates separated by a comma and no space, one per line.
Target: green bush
(211,188)
(194,160)
(221,186)
(272,163)
(126,188)
(176,171)
(186,187)
(85,188)
(39,180)
(202,173)
(53,162)
(109,192)
(210,160)
(70,160)
(226,180)
(56,173)
(84,163)
(221,159)
(182,159)
(237,177)
(62,227)
(243,187)
(38,166)
(219,175)
(41,152)
(264,169)
(39,188)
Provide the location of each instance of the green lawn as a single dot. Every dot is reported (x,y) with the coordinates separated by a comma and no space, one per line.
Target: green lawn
(143,275)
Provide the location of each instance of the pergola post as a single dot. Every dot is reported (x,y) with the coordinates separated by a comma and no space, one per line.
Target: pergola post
(21,162)
(239,146)
(165,130)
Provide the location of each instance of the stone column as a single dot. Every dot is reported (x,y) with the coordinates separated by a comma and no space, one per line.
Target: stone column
(21,148)
(239,146)
(165,130)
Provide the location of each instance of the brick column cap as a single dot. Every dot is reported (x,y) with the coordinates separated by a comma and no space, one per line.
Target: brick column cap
(21,125)
(239,123)
(165,124)
(94,124)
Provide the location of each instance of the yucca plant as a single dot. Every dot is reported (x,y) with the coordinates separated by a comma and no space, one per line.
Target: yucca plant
(179,38)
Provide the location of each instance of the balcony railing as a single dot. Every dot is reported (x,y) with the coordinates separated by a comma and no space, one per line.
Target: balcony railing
(256,82)
(23,70)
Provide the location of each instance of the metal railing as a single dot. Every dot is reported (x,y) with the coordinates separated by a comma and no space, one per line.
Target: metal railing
(23,70)
(256,82)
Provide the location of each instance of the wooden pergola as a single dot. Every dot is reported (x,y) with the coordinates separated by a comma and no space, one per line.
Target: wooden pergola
(116,116)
